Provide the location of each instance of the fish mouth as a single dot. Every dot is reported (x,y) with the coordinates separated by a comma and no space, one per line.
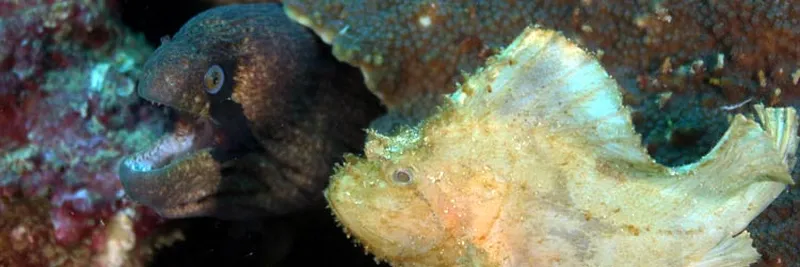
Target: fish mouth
(197,169)
(176,174)
(189,136)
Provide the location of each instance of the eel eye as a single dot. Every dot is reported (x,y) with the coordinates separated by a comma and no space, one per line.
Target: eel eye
(402,176)
(214,79)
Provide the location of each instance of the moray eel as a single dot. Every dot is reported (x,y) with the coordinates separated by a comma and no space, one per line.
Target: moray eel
(265,113)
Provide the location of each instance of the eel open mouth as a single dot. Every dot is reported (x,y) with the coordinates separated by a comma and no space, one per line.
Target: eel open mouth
(186,173)
(188,137)
(176,173)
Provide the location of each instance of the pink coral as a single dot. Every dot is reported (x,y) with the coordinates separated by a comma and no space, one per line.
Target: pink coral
(68,111)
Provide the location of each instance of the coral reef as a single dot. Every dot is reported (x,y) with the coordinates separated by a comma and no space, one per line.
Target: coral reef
(411,48)
(776,231)
(68,112)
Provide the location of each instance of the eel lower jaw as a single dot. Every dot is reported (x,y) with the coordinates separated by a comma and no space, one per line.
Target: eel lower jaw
(187,138)
(179,176)
(176,170)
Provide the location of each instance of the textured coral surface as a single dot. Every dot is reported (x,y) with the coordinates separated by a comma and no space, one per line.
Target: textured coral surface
(412,47)
(68,111)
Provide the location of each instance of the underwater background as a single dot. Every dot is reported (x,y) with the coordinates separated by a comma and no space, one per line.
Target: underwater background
(69,112)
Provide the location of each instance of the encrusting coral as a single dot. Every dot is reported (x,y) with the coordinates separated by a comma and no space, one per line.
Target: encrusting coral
(410,49)
(500,178)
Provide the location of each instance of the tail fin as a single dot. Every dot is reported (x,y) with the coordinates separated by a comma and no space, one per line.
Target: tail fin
(747,169)
(738,179)
(749,166)
(781,124)
(780,127)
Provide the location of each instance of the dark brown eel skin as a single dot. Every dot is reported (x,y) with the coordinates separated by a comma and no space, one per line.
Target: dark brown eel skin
(265,113)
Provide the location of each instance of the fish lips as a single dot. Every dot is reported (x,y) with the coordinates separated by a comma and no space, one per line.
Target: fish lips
(177,174)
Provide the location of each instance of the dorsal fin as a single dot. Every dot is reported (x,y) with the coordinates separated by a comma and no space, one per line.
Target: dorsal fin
(544,79)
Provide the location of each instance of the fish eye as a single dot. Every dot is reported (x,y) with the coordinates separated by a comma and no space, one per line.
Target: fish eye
(402,176)
(214,79)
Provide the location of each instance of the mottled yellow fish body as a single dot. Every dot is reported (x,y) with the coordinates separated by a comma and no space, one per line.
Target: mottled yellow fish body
(535,162)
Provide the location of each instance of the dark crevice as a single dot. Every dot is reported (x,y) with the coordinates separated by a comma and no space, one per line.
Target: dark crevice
(157,18)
